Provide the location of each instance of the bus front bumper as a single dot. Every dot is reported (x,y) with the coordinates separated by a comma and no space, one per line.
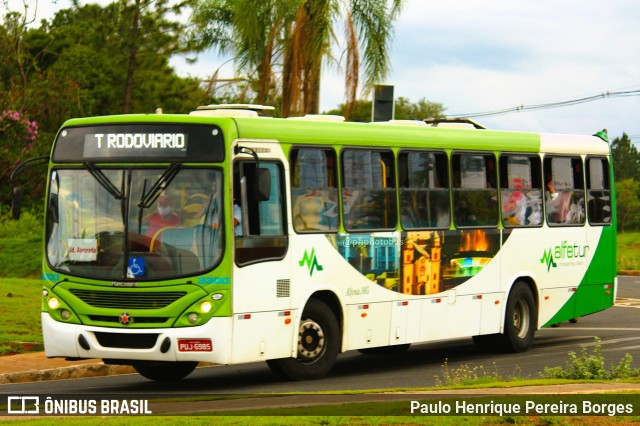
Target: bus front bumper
(206,343)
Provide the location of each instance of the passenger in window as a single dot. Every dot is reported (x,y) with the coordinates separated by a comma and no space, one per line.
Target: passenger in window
(237,218)
(164,217)
(308,213)
(552,192)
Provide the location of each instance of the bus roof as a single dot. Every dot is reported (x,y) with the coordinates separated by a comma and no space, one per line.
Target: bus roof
(304,131)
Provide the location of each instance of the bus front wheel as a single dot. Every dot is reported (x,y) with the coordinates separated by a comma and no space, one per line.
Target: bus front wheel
(521,319)
(318,345)
(162,371)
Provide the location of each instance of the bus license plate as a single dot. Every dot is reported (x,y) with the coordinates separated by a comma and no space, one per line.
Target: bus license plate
(194,345)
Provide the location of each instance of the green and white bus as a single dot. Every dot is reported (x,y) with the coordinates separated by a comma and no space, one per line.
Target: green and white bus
(293,240)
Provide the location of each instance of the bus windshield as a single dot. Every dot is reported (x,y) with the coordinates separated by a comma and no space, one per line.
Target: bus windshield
(134,223)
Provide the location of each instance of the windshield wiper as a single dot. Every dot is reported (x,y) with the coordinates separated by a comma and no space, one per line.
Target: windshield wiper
(104,181)
(161,184)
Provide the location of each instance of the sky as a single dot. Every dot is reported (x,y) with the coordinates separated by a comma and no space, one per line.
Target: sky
(477,56)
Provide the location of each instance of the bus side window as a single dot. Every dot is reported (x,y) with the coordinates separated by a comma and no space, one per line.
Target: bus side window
(369,191)
(598,191)
(314,193)
(521,190)
(564,191)
(264,219)
(475,196)
(424,190)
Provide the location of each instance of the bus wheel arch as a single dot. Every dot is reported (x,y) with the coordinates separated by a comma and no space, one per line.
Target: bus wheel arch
(319,340)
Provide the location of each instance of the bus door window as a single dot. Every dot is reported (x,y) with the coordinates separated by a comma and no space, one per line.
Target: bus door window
(564,191)
(368,192)
(260,195)
(521,190)
(314,193)
(475,196)
(598,191)
(424,190)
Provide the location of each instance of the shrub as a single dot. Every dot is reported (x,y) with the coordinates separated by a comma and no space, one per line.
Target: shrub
(591,366)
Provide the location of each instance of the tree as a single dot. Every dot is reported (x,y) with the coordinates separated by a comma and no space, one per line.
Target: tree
(252,32)
(79,64)
(298,35)
(626,159)
(404,110)
(628,204)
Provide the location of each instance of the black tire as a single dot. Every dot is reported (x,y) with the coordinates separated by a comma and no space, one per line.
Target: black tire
(164,371)
(574,320)
(386,350)
(520,320)
(319,340)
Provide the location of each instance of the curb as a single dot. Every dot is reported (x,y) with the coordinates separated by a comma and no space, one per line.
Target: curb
(60,373)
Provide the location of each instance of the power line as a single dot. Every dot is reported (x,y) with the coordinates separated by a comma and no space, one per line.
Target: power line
(560,104)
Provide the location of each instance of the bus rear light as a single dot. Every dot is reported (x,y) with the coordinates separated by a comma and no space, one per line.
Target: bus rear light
(608,286)
(436,300)
(244,316)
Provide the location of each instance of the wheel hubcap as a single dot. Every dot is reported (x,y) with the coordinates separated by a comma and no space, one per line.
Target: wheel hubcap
(521,319)
(311,341)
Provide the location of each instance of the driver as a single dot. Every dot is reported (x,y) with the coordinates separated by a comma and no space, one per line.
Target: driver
(165,216)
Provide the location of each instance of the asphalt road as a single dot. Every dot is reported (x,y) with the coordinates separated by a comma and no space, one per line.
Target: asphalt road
(618,328)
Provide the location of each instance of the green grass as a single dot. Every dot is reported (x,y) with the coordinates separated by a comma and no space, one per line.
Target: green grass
(629,251)
(19,312)
(20,245)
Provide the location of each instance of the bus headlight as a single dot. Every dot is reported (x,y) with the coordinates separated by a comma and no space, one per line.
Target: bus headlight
(53,303)
(193,318)
(205,307)
(65,315)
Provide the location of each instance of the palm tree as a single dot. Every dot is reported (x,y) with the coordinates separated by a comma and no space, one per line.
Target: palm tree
(299,34)
(369,21)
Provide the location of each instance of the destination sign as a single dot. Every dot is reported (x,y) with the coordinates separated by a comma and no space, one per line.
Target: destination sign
(140,142)
(135,144)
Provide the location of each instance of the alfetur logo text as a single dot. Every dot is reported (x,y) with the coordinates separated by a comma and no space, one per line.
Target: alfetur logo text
(563,251)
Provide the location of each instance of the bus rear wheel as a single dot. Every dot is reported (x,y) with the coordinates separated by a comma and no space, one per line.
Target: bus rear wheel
(162,371)
(318,345)
(520,320)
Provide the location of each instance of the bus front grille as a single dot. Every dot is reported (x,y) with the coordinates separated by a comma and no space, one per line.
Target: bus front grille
(138,320)
(127,300)
(127,341)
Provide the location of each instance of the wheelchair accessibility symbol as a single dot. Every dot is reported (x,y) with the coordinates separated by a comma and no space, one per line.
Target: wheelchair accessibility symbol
(136,267)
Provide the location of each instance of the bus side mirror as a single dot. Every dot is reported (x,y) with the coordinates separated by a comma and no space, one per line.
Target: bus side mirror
(263,185)
(16,203)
